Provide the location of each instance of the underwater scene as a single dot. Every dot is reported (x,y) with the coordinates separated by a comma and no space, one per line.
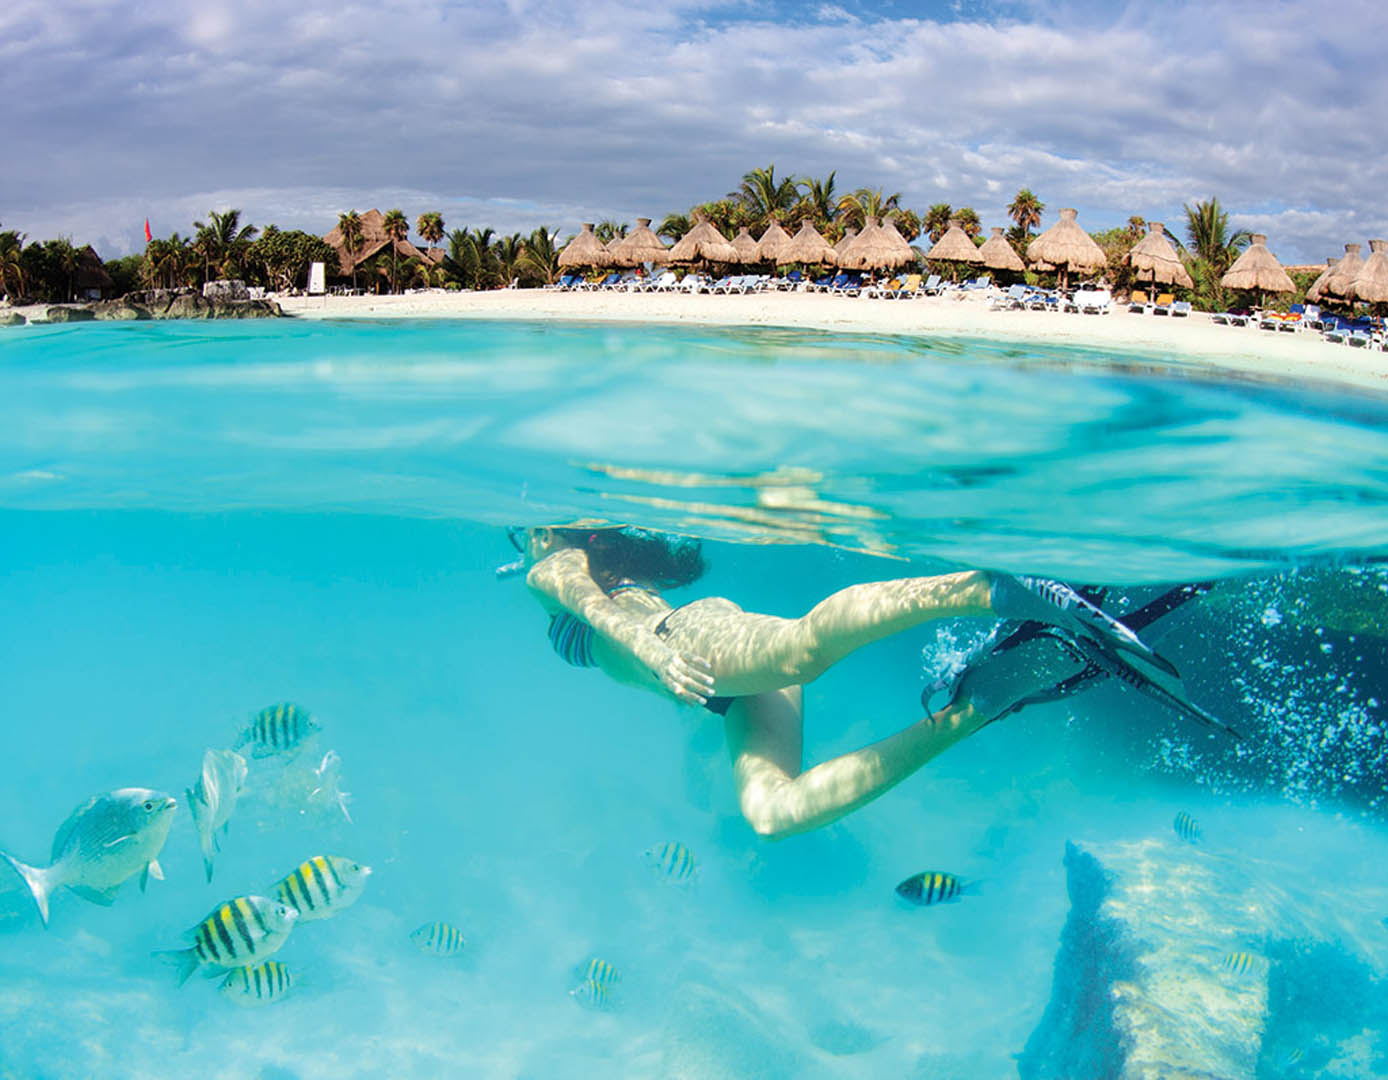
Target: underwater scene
(299,783)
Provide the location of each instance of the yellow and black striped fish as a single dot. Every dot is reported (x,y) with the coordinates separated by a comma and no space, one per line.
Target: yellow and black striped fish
(932,887)
(1187,828)
(238,933)
(672,859)
(593,994)
(322,886)
(439,939)
(599,971)
(1243,963)
(259,985)
(278,729)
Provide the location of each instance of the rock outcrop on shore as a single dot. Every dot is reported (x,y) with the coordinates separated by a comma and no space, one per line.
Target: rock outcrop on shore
(157,304)
(1180,963)
(13,318)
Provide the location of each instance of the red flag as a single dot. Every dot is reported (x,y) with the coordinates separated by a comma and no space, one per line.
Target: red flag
(148,235)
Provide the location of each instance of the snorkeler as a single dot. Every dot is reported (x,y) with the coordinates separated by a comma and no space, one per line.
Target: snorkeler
(602,585)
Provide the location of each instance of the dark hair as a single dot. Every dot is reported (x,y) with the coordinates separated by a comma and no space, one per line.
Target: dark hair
(660,560)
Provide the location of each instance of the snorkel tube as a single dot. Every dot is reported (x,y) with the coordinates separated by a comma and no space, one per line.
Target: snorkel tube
(518,536)
(510,569)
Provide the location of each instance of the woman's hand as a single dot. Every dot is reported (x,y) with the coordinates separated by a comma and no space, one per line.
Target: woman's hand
(688,677)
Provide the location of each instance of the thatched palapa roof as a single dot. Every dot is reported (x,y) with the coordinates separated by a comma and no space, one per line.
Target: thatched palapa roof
(808,246)
(875,248)
(1371,283)
(998,254)
(704,243)
(91,271)
(746,245)
(585,249)
(1314,292)
(373,240)
(1155,259)
(1340,281)
(641,245)
(773,244)
(1067,245)
(955,246)
(845,242)
(1257,269)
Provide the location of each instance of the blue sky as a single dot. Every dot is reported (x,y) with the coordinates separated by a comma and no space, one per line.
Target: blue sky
(538,112)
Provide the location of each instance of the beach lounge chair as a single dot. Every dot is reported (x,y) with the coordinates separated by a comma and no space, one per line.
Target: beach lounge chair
(1137,302)
(664,283)
(1359,339)
(1097,302)
(931,286)
(1180,309)
(880,291)
(714,286)
(1162,304)
(909,288)
(691,283)
(1015,297)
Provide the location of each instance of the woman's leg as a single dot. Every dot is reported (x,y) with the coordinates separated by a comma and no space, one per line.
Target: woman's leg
(752,654)
(765,740)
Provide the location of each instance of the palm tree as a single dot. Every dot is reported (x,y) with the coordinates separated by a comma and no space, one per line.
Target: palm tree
(968,221)
(224,240)
(1026,210)
(507,252)
(936,221)
(856,207)
(908,223)
(674,227)
(763,197)
(819,197)
(725,215)
(541,256)
(1207,227)
(12,282)
(396,228)
(165,261)
(349,225)
(66,259)
(607,231)
(430,227)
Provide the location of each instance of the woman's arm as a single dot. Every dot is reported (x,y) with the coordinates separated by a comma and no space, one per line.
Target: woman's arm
(563,579)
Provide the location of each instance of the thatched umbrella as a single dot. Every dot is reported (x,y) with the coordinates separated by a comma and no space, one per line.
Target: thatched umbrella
(955,246)
(998,254)
(808,246)
(774,243)
(1314,292)
(641,245)
(1341,280)
(875,249)
(1258,268)
(1155,259)
(585,249)
(904,251)
(1371,283)
(1066,246)
(845,242)
(704,243)
(746,245)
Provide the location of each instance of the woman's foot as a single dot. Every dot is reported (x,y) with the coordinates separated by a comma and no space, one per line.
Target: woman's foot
(1042,600)
(998,682)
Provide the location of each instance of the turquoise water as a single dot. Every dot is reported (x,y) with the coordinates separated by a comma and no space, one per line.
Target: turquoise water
(199,520)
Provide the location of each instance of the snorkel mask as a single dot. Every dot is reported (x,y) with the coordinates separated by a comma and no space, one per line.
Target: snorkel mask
(518,536)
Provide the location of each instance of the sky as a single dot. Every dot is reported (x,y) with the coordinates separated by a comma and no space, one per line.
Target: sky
(538,112)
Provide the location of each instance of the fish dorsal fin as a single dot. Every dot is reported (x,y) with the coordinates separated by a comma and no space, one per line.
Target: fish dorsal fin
(64,833)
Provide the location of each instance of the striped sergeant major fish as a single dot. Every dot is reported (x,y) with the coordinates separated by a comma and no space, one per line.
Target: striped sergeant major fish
(599,971)
(103,843)
(259,985)
(278,729)
(672,860)
(212,800)
(320,887)
(934,887)
(1245,963)
(1187,828)
(593,994)
(439,939)
(239,933)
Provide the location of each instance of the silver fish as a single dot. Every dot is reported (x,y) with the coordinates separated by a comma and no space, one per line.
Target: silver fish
(259,985)
(104,842)
(212,799)
(672,860)
(239,933)
(439,939)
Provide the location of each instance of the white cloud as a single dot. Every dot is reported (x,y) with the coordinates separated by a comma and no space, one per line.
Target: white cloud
(542,112)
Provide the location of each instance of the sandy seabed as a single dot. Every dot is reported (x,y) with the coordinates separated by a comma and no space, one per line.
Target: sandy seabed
(1190,339)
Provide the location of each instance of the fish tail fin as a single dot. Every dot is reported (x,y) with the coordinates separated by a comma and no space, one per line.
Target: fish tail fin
(207,866)
(184,960)
(204,835)
(38,879)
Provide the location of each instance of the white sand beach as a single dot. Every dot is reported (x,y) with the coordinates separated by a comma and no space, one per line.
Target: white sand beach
(1190,339)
